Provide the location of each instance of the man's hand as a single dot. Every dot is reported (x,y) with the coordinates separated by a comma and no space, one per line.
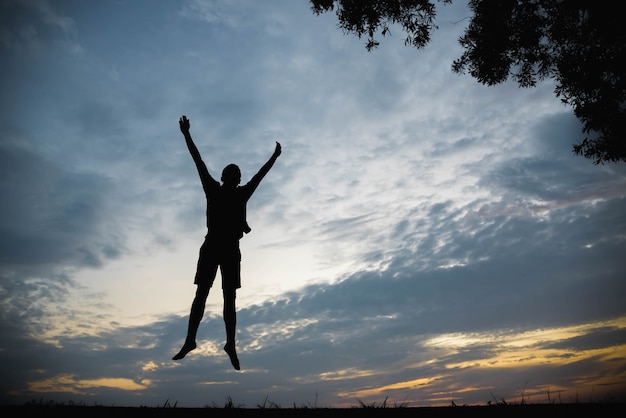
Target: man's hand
(278,149)
(184,125)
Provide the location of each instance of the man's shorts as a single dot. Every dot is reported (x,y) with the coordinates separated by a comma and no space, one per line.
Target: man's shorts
(225,255)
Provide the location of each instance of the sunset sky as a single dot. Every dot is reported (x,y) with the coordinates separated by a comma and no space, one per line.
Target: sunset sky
(423,239)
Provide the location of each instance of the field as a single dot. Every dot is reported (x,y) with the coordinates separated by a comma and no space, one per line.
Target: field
(508,411)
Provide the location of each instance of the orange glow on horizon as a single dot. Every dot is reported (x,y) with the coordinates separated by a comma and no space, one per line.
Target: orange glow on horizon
(68,384)
(506,350)
(410,384)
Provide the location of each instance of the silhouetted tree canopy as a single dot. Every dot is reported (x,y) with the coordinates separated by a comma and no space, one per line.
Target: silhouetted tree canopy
(580,44)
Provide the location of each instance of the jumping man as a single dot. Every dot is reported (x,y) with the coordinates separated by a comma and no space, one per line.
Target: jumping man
(226,223)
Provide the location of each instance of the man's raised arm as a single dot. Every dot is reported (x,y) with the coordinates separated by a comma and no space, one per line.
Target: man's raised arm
(205,177)
(254,182)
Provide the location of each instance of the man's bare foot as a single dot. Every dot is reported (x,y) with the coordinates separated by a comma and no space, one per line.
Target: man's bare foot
(183,351)
(230,350)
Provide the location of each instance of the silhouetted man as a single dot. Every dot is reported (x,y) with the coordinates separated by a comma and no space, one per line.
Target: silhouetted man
(226,223)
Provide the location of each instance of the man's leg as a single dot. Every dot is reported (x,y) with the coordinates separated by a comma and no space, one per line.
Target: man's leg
(230,320)
(195,316)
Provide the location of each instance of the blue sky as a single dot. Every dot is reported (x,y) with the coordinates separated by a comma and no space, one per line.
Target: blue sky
(422,238)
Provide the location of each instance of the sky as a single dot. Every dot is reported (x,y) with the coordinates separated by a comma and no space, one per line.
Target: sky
(423,239)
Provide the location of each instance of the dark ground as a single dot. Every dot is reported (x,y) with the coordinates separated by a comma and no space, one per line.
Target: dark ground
(595,410)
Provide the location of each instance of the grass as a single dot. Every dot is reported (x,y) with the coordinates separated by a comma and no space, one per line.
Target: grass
(382,405)
(268,408)
(271,405)
(521,407)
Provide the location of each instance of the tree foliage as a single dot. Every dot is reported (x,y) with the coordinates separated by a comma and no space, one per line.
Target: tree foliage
(362,17)
(580,44)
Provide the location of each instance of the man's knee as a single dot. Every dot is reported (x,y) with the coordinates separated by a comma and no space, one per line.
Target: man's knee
(229,299)
(229,293)
(202,291)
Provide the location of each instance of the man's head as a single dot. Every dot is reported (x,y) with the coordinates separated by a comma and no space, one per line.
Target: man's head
(231,176)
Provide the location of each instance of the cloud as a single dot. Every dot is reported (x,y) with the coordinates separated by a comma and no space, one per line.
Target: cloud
(51,215)
(28,26)
(68,384)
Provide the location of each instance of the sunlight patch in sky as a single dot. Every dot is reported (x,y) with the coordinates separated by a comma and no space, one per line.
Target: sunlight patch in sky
(69,384)
(378,391)
(525,339)
(346,374)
